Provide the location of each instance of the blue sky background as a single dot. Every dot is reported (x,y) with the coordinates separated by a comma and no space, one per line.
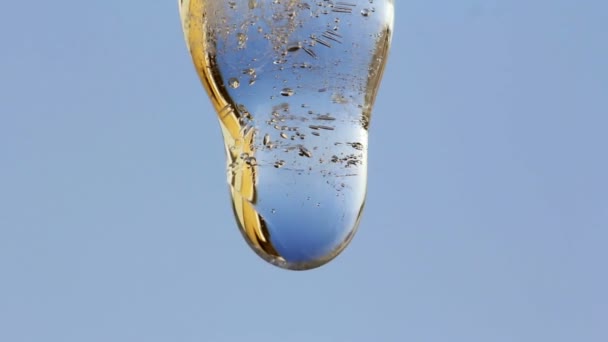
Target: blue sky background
(487,212)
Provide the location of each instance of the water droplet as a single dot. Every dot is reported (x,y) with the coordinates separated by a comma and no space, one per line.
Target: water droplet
(296,142)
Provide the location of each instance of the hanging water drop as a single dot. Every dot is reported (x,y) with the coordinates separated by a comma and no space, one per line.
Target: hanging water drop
(296,142)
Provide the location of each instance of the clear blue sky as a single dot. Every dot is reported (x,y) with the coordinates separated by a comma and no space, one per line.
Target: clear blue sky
(487,213)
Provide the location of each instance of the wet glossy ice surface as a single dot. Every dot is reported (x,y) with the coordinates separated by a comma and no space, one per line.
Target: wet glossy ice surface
(293,83)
